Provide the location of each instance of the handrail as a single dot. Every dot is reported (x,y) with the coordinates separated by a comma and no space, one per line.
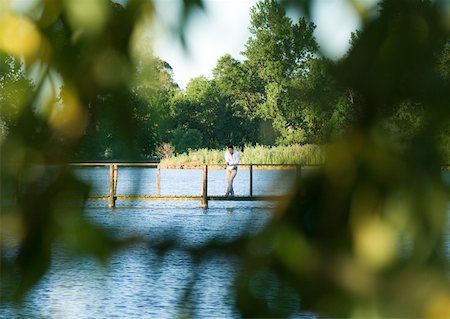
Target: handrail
(114,173)
(188,165)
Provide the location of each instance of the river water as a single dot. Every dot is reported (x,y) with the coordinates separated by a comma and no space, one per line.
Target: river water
(138,282)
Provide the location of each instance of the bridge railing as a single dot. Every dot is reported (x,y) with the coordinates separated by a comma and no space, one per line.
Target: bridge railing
(204,197)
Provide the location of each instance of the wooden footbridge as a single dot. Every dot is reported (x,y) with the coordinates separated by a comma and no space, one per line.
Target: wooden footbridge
(203,197)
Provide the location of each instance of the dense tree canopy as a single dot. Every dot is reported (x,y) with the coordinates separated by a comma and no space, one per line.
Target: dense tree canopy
(283,92)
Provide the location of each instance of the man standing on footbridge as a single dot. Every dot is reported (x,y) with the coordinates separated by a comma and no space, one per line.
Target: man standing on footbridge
(232,159)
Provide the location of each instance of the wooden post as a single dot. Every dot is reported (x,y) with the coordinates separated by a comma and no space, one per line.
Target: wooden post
(116,177)
(111,200)
(158,181)
(251,180)
(204,202)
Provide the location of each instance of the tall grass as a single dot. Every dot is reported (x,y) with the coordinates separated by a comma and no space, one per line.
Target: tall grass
(293,154)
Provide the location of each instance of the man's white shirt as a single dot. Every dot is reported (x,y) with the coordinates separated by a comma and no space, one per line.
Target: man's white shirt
(232,159)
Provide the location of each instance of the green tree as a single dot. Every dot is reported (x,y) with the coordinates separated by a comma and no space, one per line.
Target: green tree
(242,90)
(277,47)
(209,107)
(149,100)
(239,82)
(197,109)
(187,139)
(155,89)
(280,52)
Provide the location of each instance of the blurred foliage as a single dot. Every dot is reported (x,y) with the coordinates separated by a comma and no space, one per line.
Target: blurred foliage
(362,238)
(67,69)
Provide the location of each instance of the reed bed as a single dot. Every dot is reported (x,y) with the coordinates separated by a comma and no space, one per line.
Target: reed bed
(310,154)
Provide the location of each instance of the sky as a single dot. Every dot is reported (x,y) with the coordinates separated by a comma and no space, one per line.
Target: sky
(223,28)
